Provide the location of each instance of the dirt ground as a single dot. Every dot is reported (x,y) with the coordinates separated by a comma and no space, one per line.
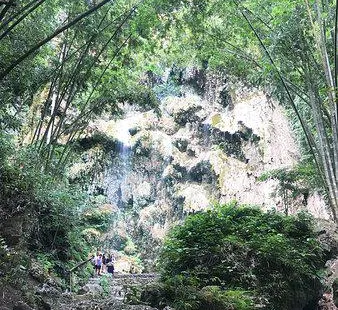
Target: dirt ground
(9,297)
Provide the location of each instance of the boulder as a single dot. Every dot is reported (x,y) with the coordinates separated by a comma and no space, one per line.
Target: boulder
(36,271)
(48,290)
(91,288)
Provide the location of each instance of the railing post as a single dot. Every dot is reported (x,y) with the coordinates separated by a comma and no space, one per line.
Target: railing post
(70,281)
(73,269)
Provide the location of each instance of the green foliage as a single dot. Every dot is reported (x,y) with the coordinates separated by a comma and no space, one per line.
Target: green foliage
(130,247)
(297,182)
(242,247)
(132,295)
(6,148)
(97,219)
(90,69)
(46,261)
(213,297)
(303,176)
(183,292)
(51,208)
(105,284)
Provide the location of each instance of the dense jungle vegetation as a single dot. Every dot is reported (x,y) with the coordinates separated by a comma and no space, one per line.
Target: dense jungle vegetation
(64,63)
(233,257)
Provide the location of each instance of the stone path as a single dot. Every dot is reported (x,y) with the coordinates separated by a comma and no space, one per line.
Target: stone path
(104,293)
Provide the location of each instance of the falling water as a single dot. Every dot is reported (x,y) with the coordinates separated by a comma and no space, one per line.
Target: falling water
(117,178)
(205,134)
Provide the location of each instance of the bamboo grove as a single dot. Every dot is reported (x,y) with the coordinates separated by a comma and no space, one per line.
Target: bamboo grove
(63,63)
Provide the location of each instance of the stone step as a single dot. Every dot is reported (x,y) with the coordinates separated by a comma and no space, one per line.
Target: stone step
(119,283)
(92,295)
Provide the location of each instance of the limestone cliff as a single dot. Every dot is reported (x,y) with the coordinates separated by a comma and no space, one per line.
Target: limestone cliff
(209,142)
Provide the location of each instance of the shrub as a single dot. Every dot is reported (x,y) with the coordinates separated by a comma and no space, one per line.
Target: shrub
(183,293)
(240,247)
(213,297)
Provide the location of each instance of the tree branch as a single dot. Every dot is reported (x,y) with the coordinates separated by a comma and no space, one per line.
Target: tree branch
(7,70)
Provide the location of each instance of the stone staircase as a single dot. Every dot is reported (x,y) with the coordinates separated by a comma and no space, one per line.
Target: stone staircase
(106,292)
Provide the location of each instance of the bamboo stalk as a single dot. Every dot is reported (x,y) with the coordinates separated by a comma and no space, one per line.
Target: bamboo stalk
(20,19)
(8,5)
(15,15)
(7,70)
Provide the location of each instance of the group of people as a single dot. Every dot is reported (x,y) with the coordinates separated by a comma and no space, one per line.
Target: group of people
(103,264)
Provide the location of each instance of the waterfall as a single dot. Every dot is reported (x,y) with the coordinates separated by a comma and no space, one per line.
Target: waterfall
(117,177)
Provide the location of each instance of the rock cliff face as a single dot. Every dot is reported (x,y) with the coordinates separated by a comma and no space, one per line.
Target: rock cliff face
(210,142)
